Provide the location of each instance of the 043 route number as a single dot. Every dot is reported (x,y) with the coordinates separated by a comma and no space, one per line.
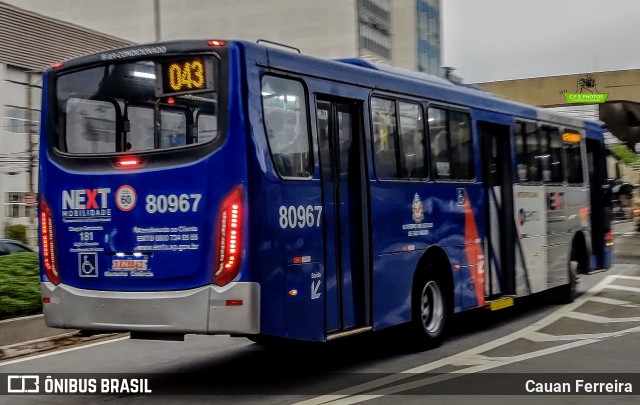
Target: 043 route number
(172,203)
(300,216)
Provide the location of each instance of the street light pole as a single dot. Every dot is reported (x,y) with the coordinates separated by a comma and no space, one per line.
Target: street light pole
(32,159)
(156,19)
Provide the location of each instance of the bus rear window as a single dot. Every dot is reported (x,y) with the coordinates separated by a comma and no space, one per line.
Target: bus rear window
(137,106)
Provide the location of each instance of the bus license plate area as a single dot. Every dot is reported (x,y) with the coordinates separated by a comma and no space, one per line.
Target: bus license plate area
(138,265)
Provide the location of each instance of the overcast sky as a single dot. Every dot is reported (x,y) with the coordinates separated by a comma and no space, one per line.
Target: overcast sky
(489,40)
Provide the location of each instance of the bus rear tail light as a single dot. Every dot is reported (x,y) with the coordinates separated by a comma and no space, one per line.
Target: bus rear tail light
(608,238)
(47,237)
(229,238)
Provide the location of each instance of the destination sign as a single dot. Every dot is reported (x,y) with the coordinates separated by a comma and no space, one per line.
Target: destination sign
(185,75)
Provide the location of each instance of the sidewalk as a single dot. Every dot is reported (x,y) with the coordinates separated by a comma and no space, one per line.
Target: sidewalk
(24,329)
(29,334)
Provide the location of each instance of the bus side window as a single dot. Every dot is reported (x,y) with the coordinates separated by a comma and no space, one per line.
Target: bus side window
(545,153)
(277,138)
(285,120)
(528,153)
(383,114)
(439,134)
(461,143)
(574,163)
(556,161)
(412,141)
(532,152)
(521,153)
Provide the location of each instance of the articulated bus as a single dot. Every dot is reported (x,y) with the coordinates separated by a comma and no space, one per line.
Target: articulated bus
(238,188)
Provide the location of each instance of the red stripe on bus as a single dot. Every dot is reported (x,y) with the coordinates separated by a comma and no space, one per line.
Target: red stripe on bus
(473,250)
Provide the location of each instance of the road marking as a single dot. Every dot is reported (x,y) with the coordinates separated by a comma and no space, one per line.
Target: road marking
(611,301)
(71,349)
(581,316)
(625,277)
(631,233)
(22,318)
(623,288)
(545,337)
(431,379)
(476,362)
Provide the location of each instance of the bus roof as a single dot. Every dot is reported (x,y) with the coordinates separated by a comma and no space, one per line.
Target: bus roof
(362,72)
(358,72)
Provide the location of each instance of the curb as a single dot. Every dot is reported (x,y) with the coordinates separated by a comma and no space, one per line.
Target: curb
(51,343)
(20,318)
(29,328)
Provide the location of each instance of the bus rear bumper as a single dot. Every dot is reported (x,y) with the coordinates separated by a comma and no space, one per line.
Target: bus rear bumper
(233,309)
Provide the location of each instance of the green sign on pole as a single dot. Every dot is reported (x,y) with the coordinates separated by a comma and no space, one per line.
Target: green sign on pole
(586,98)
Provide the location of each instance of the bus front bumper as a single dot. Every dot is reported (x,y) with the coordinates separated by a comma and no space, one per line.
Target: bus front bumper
(233,309)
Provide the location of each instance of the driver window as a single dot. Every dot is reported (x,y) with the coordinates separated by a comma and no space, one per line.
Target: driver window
(285,119)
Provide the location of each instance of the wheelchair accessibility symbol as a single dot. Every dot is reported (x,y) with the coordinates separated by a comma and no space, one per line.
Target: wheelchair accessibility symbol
(88,264)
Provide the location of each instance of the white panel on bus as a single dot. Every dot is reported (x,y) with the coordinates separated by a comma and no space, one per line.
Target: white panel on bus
(531,220)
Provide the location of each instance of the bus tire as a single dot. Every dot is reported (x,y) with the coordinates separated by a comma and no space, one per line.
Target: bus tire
(430,310)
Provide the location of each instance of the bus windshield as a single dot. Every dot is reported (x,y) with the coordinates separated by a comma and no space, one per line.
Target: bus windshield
(137,106)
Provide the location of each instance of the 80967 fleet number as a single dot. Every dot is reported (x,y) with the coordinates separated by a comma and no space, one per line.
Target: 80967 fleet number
(300,216)
(172,203)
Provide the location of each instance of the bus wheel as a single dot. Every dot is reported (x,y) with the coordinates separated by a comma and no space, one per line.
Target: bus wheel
(430,311)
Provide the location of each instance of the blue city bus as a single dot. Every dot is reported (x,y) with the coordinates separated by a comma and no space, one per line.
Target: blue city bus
(228,187)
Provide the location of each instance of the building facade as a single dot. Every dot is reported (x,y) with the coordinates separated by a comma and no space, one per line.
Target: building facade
(612,97)
(416,35)
(405,33)
(429,49)
(30,44)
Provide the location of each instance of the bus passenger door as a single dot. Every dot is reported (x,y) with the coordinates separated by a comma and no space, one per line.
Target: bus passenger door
(498,182)
(600,204)
(344,187)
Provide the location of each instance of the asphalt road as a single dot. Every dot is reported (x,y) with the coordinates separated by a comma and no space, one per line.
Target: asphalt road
(596,334)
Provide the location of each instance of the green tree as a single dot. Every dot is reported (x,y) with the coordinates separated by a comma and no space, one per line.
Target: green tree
(623,153)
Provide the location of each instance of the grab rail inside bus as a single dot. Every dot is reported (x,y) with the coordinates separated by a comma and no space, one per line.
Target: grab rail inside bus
(278,44)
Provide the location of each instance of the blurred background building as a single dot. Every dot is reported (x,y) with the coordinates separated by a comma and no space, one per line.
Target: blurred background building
(36,33)
(618,106)
(619,109)
(405,33)
(30,43)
